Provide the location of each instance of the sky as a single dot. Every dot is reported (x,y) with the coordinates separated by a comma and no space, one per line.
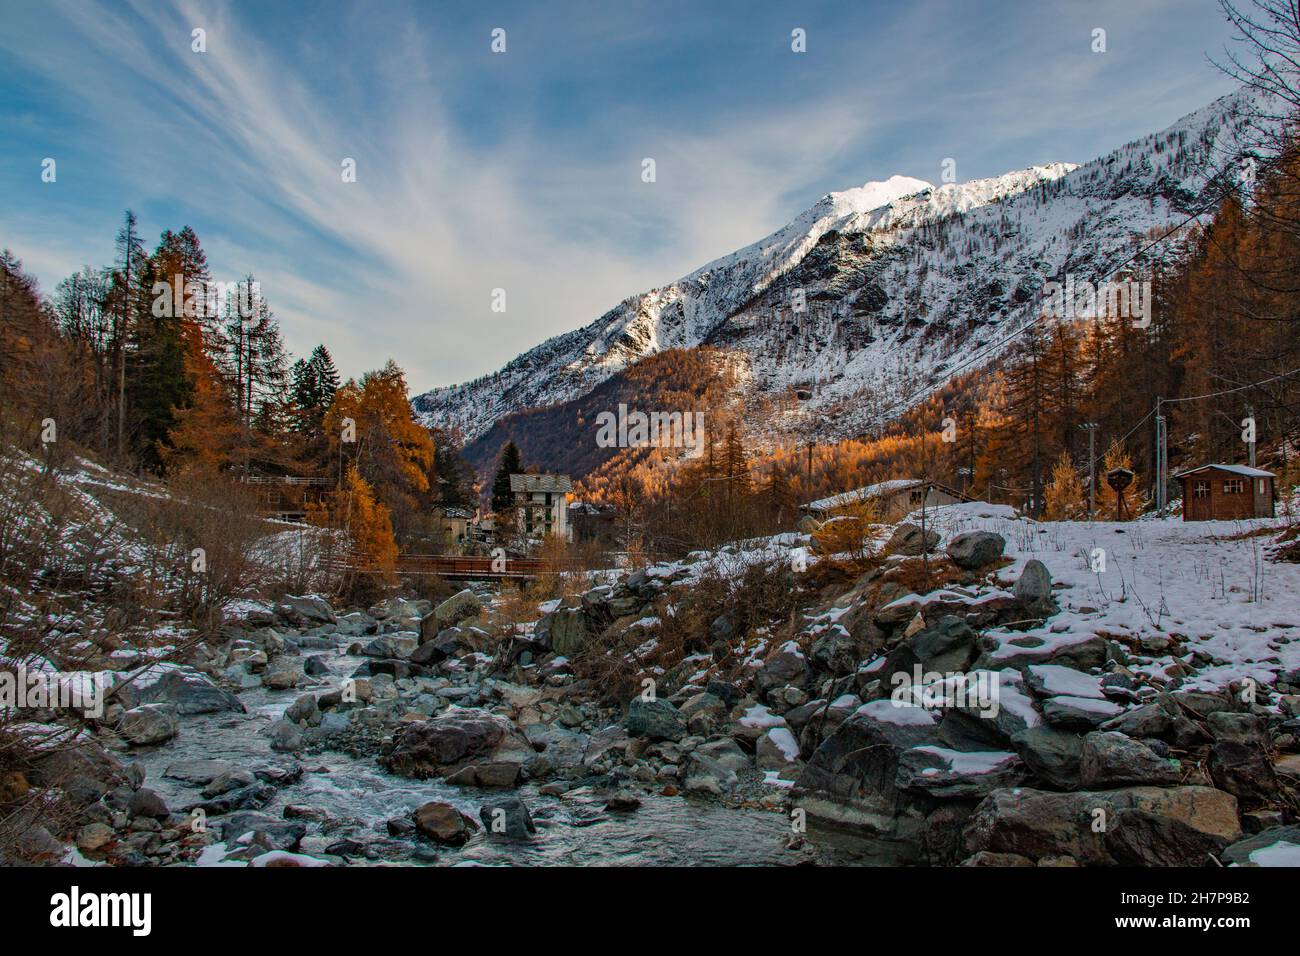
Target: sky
(522,170)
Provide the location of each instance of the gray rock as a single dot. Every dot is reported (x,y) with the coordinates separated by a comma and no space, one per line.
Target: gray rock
(785,665)
(975,549)
(507,817)
(285,737)
(726,752)
(284,673)
(147,803)
(947,647)
(191,691)
(280,834)
(1034,589)
(1136,826)
(1078,713)
(909,539)
(1052,755)
(307,609)
(1110,759)
(1259,845)
(459,607)
(149,724)
(706,775)
(945,773)
(657,719)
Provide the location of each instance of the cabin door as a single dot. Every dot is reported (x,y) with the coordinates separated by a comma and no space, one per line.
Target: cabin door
(1198,500)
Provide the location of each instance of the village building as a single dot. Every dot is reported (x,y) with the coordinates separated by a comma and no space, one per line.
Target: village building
(892,500)
(541,504)
(456,525)
(288,497)
(1226,492)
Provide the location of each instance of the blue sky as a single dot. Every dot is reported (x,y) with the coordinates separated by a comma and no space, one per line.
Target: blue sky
(522,170)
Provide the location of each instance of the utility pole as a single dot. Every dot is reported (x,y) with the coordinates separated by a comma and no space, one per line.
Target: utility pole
(1162,456)
(1091,429)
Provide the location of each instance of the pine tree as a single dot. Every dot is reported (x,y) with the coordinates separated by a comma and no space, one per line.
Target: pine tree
(503,498)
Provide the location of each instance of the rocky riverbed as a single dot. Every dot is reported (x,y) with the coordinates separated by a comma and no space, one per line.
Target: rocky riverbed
(409,733)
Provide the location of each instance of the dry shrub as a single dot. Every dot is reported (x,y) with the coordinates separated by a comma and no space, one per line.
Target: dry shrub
(848,539)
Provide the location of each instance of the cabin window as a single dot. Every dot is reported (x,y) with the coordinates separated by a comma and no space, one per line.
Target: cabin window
(1261,486)
(1234,486)
(1201,489)
(917,496)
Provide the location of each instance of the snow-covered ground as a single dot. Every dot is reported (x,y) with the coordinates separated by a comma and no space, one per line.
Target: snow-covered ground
(1210,586)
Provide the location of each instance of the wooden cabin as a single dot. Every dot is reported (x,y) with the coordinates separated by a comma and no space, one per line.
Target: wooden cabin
(1226,493)
(893,500)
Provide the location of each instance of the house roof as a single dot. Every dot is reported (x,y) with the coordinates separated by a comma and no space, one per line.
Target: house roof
(456,512)
(531,483)
(1245,470)
(863,494)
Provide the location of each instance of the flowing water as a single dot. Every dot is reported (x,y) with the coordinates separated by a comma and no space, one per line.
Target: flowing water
(360,796)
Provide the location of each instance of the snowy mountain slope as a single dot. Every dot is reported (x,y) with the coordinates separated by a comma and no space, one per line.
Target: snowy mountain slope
(899,277)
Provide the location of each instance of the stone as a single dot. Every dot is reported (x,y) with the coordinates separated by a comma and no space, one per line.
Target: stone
(1034,589)
(1111,759)
(657,719)
(94,836)
(303,710)
(508,817)
(149,724)
(1078,713)
(945,773)
(785,665)
(706,775)
(1142,826)
(947,647)
(1051,755)
(450,741)
(285,736)
(910,540)
(459,607)
(448,643)
(973,550)
(147,803)
(191,691)
(776,749)
(305,609)
(443,823)
(1276,846)
(726,752)
(275,833)
(284,673)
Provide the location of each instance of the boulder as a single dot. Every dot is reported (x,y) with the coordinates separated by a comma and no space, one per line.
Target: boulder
(443,823)
(274,832)
(149,724)
(1051,755)
(566,628)
(459,607)
(973,550)
(946,647)
(706,775)
(454,740)
(146,803)
(449,642)
(508,817)
(284,673)
(1034,589)
(942,772)
(785,665)
(191,691)
(1143,826)
(307,609)
(657,719)
(908,539)
(776,750)
(1111,759)
(1276,846)
(851,779)
(1078,713)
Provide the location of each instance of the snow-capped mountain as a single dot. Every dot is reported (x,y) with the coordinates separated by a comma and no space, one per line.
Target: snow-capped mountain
(874,294)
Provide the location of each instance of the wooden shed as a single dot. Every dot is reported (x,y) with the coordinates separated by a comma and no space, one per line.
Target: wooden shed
(1226,493)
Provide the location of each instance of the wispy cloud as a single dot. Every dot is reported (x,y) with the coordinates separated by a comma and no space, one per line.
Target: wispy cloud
(477,172)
